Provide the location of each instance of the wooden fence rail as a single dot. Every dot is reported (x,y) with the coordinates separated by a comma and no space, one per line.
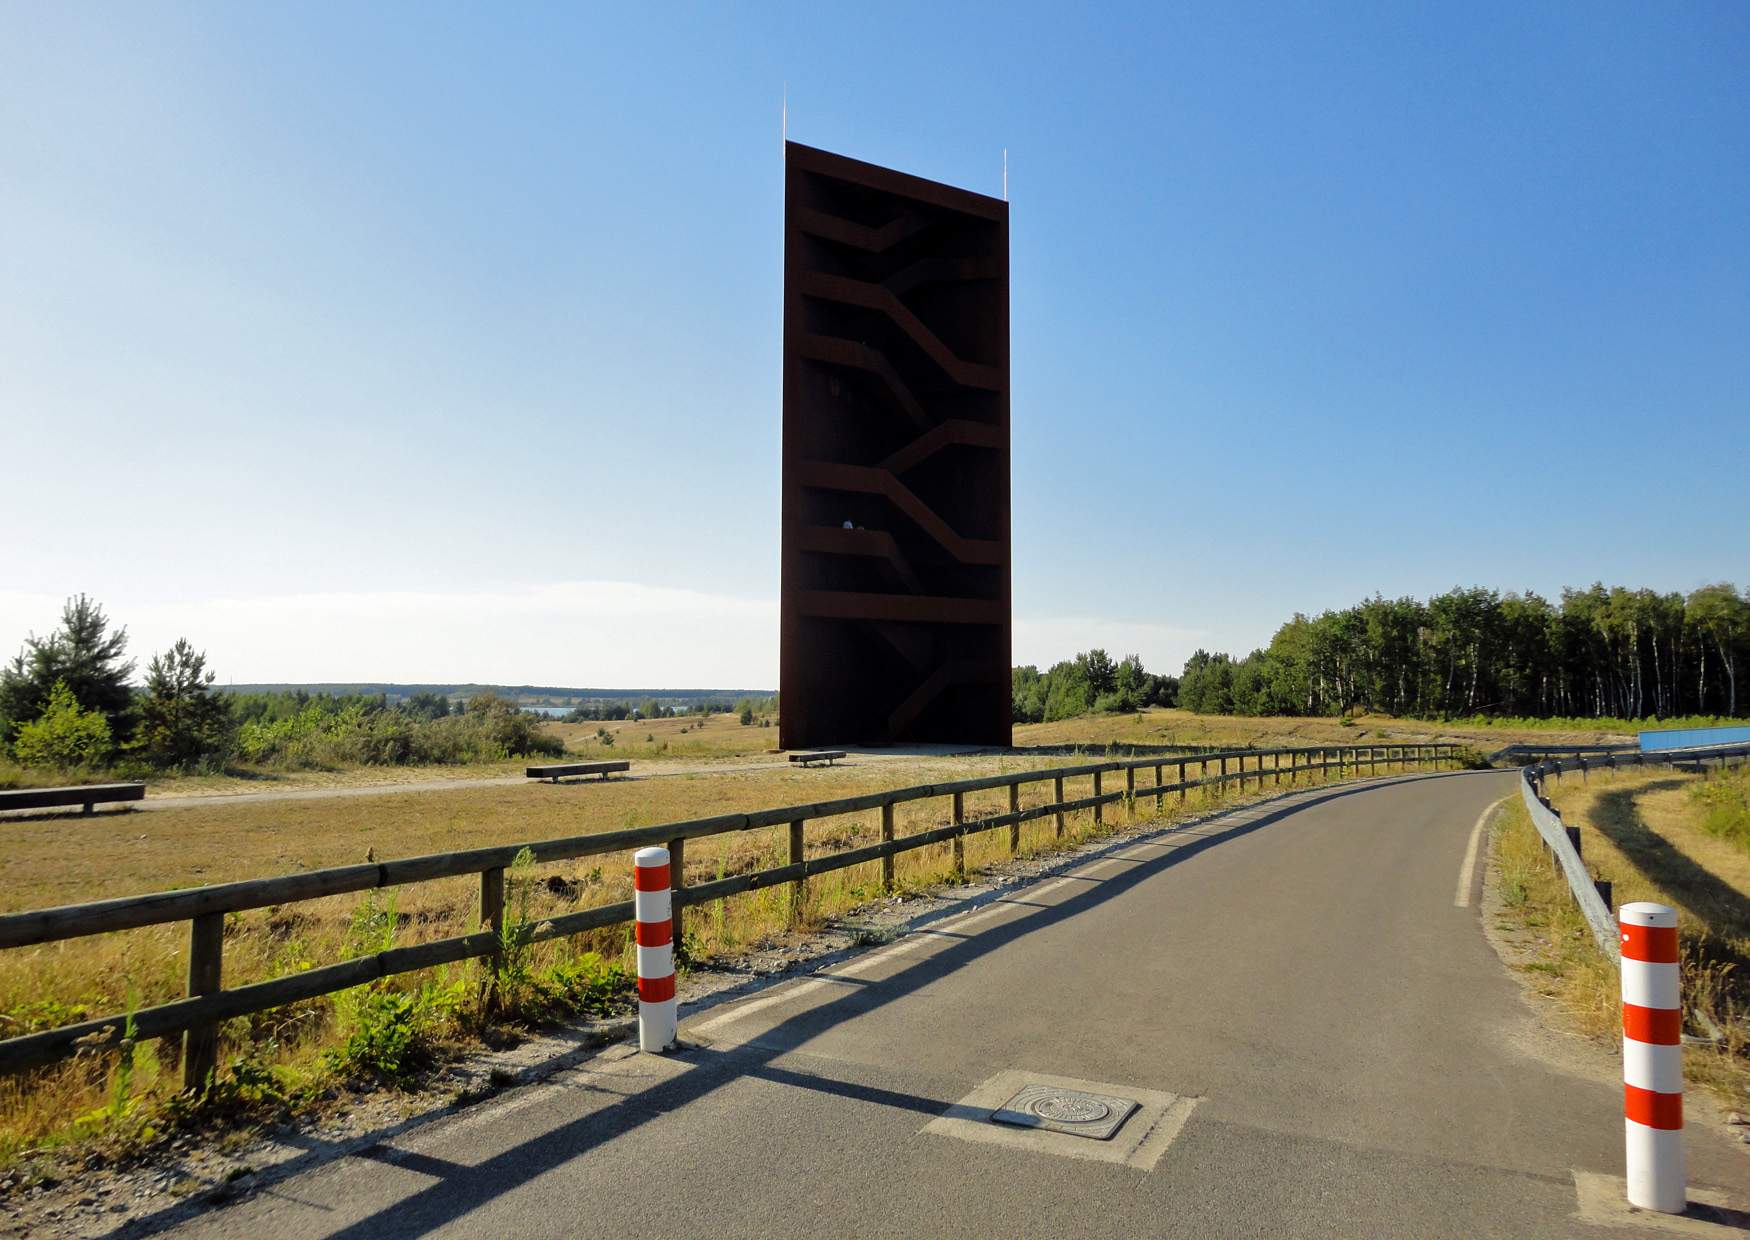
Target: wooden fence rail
(209,1003)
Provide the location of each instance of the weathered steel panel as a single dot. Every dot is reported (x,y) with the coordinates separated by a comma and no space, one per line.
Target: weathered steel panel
(895,596)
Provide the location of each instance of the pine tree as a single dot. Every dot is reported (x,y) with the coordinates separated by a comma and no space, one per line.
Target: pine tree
(182,720)
(82,654)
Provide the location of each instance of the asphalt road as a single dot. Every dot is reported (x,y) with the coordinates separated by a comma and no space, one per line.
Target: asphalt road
(1324,1040)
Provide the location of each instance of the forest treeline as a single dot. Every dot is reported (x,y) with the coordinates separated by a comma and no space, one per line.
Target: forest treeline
(1090,682)
(747,708)
(1616,652)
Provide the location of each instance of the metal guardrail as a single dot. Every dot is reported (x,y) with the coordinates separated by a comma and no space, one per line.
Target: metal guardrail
(208,1002)
(1519,750)
(1590,894)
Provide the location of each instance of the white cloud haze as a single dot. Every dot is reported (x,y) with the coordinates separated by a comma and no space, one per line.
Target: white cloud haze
(600,634)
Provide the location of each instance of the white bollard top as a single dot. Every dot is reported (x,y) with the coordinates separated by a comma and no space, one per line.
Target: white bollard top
(658,855)
(1646,913)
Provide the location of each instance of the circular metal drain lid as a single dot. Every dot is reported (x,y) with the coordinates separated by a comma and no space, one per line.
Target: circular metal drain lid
(1069,1107)
(1057,1109)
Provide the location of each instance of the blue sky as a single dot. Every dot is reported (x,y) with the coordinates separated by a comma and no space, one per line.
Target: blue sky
(442,342)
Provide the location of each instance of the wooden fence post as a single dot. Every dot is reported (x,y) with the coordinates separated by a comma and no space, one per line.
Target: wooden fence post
(677,881)
(1099,810)
(200,1048)
(492,918)
(1182,767)
(1014,808)
(959,840)
(1057,799)
(1130,793)
(799,886)
(887,838)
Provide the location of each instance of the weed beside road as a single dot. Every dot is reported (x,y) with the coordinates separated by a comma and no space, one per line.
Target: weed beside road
(1644,831)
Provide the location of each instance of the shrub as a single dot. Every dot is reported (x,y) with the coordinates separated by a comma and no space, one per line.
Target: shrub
(331,734)
(84,656)
(390,1032)
(64,736)
(583,985)
(1726,807)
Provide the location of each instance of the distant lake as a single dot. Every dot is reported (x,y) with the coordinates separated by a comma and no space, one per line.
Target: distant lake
(552,712)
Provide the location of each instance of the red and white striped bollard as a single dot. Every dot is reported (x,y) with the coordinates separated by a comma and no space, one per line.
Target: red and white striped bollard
(1652,1057)
(653,913)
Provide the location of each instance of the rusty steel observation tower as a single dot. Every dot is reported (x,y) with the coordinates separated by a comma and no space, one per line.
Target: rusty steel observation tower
(895,602)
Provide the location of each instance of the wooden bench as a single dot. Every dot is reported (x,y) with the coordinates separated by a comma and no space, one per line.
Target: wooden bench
(562,769)
(87,795)
(827,756)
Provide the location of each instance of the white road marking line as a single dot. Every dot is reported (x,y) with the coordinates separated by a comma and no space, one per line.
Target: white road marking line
(783,994)
(1467,868)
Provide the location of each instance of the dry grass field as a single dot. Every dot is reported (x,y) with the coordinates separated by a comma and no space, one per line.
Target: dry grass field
(1169,726)
(695,743)
(697,737)
(1641,829)
(690,741)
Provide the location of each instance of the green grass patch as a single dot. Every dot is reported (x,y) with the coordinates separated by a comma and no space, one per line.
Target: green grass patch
(1725,806)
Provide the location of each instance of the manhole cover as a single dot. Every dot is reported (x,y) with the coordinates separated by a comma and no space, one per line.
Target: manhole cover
(1055,1109)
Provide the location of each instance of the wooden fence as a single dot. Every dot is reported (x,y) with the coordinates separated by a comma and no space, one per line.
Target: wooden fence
(208,1002)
